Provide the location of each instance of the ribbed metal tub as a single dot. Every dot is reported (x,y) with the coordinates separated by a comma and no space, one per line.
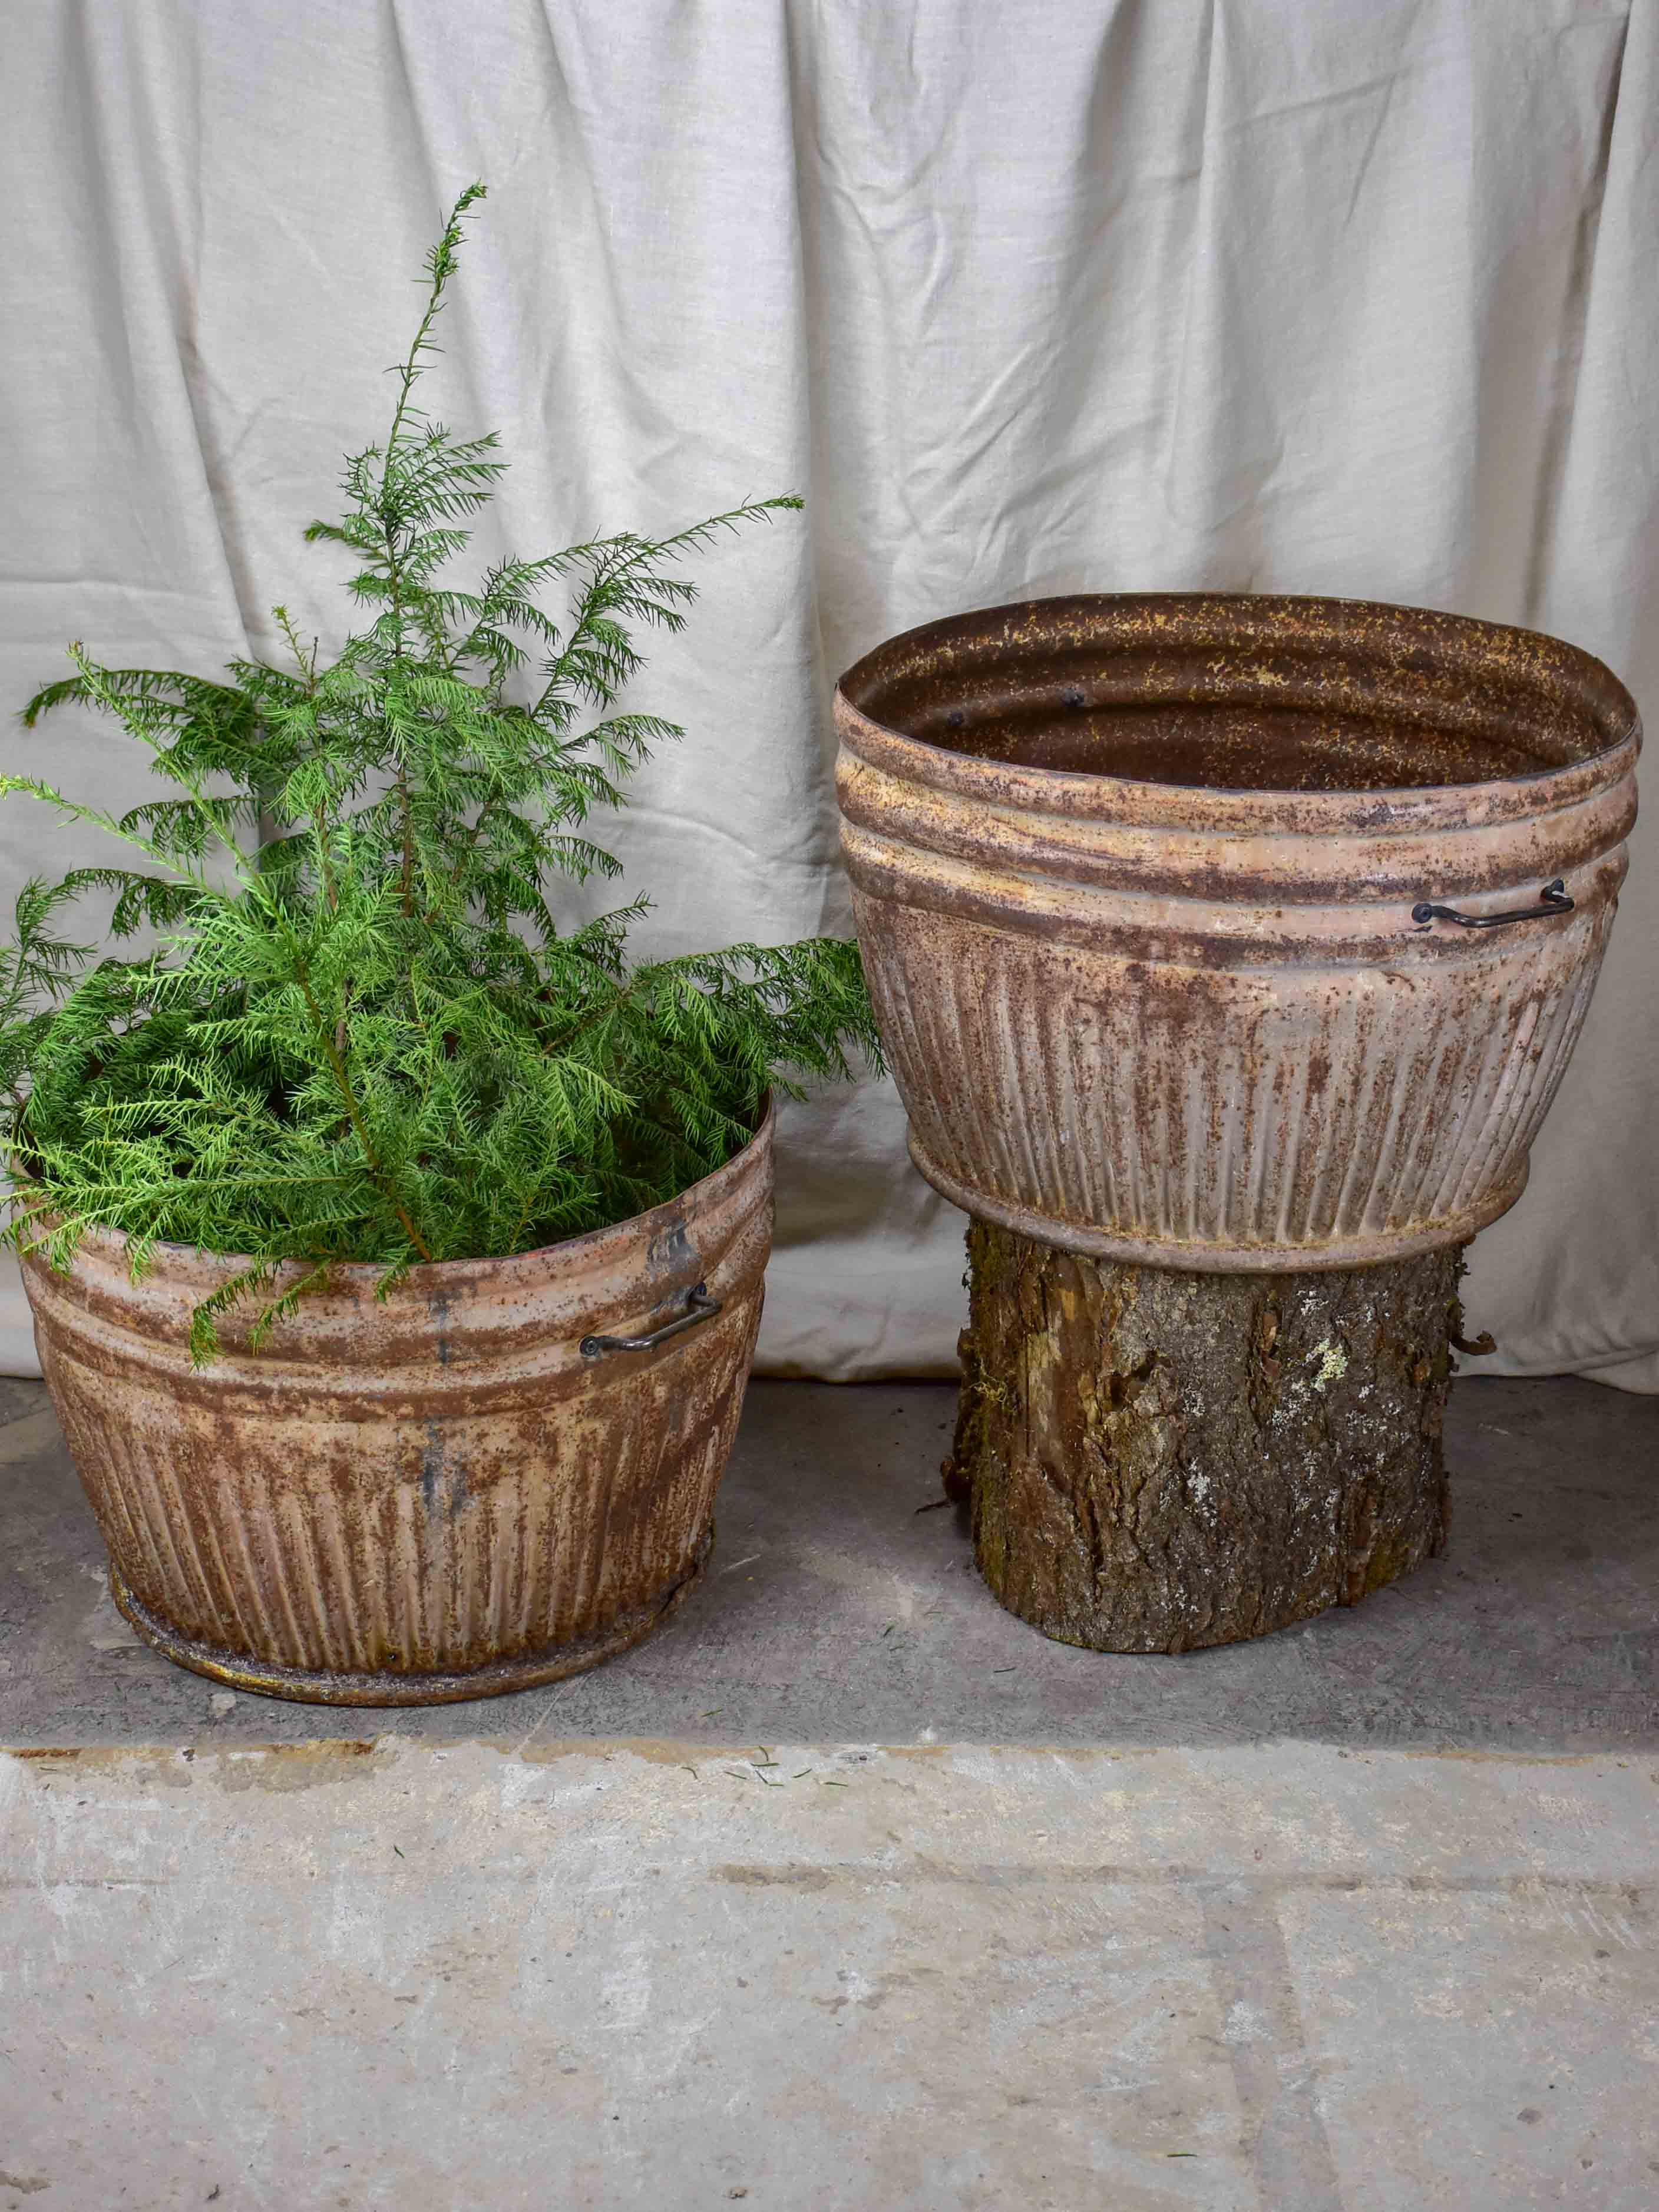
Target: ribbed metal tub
(1134,881)
(437,1496)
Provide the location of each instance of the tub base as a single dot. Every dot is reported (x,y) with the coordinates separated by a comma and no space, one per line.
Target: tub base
(1162,1460)
(389,1687)
(1334,1252)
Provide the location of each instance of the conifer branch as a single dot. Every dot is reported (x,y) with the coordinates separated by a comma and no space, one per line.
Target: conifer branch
(376,1041)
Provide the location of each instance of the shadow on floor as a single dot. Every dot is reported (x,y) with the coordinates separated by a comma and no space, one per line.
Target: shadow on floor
(834,1611)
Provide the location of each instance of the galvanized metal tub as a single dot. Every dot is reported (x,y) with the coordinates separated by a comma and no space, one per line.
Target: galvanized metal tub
(445,1494)
(1183,915)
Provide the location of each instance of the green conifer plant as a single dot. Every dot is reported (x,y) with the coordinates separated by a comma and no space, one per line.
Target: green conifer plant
(364,1031)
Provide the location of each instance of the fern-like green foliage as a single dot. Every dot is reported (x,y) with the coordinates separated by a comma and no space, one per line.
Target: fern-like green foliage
(364,1033)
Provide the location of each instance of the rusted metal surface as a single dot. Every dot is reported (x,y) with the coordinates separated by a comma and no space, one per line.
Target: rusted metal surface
(427,1498)
(1133,880)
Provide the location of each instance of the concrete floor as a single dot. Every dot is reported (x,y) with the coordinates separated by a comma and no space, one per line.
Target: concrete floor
(850,1890)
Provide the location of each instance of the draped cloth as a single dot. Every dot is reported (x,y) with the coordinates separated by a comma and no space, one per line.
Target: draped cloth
(1026,298)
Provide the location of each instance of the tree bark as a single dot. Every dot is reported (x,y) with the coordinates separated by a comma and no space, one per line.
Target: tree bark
(1159,1461)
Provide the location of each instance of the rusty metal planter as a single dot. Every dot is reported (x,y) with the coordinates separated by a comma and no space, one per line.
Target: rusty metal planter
(444,1494)
(1135,882)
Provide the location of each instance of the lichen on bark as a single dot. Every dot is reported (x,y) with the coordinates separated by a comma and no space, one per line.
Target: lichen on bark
(1159,1461)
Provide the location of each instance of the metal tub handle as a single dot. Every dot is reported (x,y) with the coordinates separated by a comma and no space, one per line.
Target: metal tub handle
(699,1306)
(1553,899)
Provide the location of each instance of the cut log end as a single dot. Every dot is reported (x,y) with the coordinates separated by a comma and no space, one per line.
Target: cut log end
(1160,1461)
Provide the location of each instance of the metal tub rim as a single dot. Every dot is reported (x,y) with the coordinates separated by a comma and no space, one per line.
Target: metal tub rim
(600,1272)
(1310,628)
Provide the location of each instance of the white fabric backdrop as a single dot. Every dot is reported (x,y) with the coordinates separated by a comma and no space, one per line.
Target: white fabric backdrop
(1046,295)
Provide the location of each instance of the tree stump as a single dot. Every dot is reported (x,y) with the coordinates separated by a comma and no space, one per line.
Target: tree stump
(1159,1460)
